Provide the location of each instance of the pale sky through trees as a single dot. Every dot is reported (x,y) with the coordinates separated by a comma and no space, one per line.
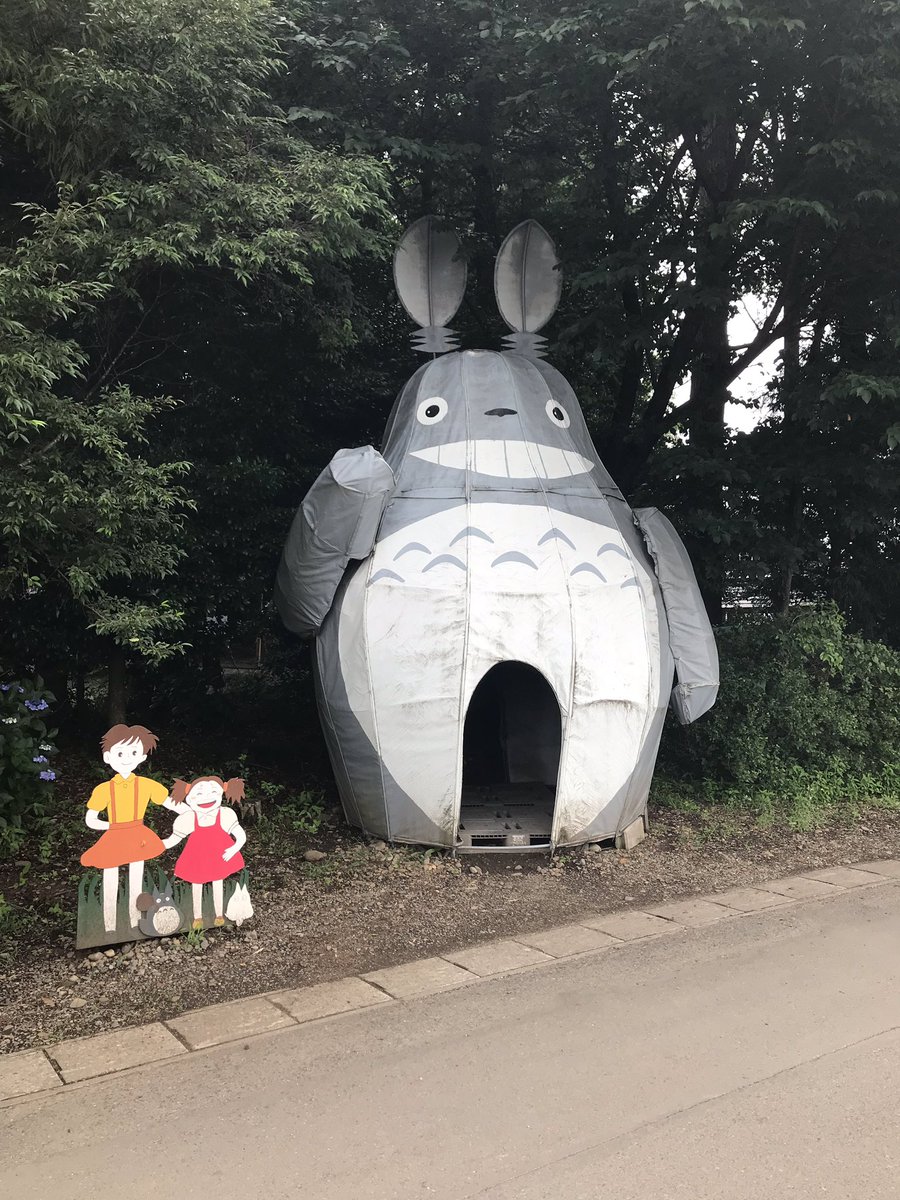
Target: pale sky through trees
(751,383)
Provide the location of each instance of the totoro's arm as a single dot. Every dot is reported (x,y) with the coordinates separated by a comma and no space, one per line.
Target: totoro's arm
(691,636)
(337,521)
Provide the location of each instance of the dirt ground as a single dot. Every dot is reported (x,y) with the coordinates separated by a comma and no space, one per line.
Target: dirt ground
(368,906)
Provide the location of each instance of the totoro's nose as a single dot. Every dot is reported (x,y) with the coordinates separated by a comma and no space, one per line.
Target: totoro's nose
(499,412)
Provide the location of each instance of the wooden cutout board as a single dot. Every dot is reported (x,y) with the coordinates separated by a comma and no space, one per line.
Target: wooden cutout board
(91,934)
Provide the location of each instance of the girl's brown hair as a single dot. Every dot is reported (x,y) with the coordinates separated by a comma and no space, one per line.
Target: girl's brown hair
(233,789)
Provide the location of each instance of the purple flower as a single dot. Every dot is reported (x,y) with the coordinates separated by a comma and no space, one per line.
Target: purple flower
(36,706)
(4,687)
(40,758)
(21,689)
(48,775)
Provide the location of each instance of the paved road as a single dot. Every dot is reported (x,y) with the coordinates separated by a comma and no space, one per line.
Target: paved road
(754,1059)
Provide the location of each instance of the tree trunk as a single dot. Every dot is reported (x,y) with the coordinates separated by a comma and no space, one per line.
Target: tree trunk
(430,122)
(117,686)
(80,710)
(793,523)
(706,426)
(56,681)
(485,214)
(609,175)
(714,157)
(709,394)
(793,510)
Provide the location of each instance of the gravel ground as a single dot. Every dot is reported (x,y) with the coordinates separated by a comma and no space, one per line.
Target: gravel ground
(367,906)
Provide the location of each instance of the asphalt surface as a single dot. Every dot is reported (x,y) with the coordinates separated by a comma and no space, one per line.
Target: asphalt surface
(756,1058)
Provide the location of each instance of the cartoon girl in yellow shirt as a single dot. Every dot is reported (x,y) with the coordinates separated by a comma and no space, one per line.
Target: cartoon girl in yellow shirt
(125,840)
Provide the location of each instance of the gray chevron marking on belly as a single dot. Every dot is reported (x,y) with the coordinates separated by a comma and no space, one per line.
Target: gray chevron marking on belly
(445,558)
(474,535)
(409,547)
(471,531)
(559,535)
(588,568)
(514,556)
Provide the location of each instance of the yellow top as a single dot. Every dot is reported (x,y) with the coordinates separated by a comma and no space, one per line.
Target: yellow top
(127,799)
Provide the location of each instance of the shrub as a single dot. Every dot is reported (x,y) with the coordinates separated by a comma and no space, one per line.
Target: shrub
(808,719)
(26,752)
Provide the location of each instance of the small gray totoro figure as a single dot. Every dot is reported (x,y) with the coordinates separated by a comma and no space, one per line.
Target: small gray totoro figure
(159,916)
(496,630)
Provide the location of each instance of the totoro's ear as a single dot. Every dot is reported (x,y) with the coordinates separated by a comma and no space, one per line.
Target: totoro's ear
(527,284)
(430,277)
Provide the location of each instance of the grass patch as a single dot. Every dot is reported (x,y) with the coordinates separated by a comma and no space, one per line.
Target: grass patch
(808,801)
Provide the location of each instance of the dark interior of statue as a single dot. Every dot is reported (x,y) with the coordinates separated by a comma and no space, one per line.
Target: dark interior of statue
(511,748)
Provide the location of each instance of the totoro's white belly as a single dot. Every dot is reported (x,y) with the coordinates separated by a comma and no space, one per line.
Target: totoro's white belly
(447,597)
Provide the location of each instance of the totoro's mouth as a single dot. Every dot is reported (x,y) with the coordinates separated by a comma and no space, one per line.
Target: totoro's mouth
(507,459)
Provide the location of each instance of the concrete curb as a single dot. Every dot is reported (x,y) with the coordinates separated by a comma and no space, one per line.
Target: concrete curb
(59,1067)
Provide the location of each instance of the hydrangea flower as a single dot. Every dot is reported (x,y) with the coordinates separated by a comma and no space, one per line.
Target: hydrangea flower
(36,705)
(40,758)
(4,687)
(48,775)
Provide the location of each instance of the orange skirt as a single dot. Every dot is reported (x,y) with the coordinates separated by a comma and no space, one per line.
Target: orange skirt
(128,842)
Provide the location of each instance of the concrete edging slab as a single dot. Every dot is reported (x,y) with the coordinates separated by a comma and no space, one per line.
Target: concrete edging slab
(105,1053)
(56,1068)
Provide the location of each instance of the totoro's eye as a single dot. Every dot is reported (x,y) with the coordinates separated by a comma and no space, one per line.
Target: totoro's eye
(557,414)
(432,410)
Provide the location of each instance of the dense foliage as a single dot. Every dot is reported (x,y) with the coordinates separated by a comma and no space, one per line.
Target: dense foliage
(149,179)
(27,749)
(197,204)
(808,721)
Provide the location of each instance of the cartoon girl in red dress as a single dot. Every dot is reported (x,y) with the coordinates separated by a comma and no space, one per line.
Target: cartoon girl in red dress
(214,839)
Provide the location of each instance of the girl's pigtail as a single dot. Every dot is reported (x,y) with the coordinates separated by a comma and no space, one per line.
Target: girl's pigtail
(234,790)
(179,790)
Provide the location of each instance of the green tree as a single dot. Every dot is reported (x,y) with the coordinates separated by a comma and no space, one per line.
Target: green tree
(685,154)
(145,166)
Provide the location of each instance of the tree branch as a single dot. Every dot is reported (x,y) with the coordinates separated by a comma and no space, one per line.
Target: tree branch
(671,371)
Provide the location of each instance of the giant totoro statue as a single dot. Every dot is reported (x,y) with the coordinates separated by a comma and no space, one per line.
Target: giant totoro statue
(496,630)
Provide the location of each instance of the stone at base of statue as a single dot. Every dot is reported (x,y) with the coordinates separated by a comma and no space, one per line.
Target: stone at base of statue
(632,834)
(170,911)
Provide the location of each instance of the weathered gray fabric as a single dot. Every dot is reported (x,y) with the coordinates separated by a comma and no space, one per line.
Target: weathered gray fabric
(371,798)
(338,521)
(691,637)
(527,283)
(429,273)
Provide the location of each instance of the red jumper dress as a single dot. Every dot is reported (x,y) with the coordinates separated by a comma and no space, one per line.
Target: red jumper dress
(201,859)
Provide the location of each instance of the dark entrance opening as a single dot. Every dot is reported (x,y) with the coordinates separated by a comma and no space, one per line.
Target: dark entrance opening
(511,746)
